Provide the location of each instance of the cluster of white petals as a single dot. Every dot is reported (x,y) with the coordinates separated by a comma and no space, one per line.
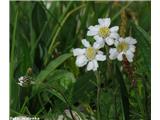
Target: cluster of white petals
(89,55)
(25,81)
(123,47)
(102,33)
(22,118)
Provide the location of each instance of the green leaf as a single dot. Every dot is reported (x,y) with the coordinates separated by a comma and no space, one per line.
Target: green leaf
(13,86)
(124,93)
(145,34)
(63,77)
(143,47)
(57,94)
(51,67)
(83,87)
(48,71)
(38,17)
(57,84)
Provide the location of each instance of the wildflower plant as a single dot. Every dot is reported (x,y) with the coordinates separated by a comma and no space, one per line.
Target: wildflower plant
(124,47)
(85,60)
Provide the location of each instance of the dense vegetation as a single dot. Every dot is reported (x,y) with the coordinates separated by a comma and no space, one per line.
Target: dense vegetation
(41,43)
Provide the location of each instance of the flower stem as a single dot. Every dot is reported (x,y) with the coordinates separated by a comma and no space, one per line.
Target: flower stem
(98,93)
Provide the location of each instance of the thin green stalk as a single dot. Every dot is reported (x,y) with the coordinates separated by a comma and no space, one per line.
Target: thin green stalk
(13,89)
(34,45)
(98,93)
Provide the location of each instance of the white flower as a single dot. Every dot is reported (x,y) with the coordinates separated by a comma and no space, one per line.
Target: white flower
(103,33)
(21,80)
(89,54)
(25,81)
(21,118)
(124,47)
(47,4)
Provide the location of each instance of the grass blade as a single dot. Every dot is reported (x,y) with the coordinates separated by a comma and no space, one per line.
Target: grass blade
(124,94)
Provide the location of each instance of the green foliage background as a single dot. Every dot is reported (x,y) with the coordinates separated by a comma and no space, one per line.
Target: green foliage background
(42,39)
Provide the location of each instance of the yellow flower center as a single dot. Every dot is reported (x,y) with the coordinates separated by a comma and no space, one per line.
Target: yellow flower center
(90,53)
(123,46)
(103,32)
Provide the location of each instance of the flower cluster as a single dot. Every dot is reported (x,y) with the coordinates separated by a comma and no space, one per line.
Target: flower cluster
(102,33)
(25,81)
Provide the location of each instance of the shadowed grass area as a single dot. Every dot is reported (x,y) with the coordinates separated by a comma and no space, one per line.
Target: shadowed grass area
(42,36)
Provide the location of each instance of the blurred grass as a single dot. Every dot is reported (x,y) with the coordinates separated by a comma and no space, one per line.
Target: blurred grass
(43,38)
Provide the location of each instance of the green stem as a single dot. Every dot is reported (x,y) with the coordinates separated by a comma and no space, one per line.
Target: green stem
(98,93)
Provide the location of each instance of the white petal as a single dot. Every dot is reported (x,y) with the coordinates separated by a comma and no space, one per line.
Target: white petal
(95,65)
(130,40)
(81,60)
(91,33)
(98,45)
(98,38)
(90,66)
(121,39)
(112,50)
(86,43)
(101,21)
(132,48)
(78,51)
(114,35)
(21,81)
(21,78)
(100,57)
(116,42)
(113,53)
(114,29)
(120,56)
(104,22)
(107,22)
(109,41)
(93,30)
(99,42)
(129,56)
(20,84)
(48,4)
(100,52)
